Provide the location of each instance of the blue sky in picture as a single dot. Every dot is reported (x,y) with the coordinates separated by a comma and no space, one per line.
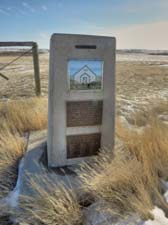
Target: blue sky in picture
(135,23)
(75,65)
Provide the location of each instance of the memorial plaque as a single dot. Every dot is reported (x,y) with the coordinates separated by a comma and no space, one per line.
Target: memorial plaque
(85,113)
(83,145)
(81,97)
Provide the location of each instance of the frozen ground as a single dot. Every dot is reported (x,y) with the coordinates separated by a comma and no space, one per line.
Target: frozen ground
(12,198)
(21,77)
(141,57)
(139,79)
(93,215)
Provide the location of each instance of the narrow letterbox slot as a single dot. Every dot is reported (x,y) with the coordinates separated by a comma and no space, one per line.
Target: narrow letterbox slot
(85,46)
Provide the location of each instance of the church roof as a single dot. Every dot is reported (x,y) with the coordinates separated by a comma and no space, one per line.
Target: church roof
(85,66)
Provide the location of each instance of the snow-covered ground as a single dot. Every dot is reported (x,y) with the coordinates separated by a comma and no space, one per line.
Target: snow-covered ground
(13,197)
(132,96)
(95,217)
(141,57)
(159,218)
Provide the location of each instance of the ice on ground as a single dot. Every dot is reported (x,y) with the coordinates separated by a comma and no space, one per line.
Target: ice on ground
(166,196)
(164,65)
(165,186)
(131,127)
(12,198)
(146,58)
(159,218)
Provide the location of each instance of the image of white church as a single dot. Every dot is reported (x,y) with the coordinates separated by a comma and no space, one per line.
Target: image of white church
(85,75)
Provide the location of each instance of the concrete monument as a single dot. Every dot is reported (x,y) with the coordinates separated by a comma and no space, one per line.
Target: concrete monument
(81,97)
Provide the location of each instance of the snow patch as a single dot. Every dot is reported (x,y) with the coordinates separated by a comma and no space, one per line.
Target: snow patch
(12,198)
(131,127)
(164,65)
(165,183)
(145,58)
(159,218)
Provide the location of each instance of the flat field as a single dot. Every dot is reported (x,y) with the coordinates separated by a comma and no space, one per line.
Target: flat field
(139,167)
(140,79)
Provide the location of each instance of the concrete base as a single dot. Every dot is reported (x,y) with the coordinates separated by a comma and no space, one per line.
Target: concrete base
(35,167)
(95,215)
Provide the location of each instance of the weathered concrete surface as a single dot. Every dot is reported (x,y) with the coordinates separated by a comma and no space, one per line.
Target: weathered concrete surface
(33,168)
(63,49)
(94,215)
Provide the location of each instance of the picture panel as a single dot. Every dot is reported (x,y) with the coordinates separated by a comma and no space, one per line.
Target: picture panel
(85,74)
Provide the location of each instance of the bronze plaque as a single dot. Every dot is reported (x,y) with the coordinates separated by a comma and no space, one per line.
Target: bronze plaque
(84,113)
(83,145)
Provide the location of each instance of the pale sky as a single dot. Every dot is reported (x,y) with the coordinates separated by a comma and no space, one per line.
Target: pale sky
(140,24)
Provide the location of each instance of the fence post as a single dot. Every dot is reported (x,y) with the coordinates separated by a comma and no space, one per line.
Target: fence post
(36,69)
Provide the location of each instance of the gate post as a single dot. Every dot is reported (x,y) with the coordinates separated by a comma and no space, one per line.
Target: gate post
(36,69)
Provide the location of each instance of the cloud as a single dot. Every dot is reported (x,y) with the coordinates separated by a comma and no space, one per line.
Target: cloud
(26,5)
(2,11)
(44,35)
(16,10)
(138,36)
(44,7)
(42,38)
(132,6)
(60,4)
(147,36)
(141,36)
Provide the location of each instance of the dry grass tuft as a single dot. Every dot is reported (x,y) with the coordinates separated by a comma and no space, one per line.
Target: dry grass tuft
(12,147)
(131,181)
(120,184)
(150,148)
(159,106)
(53,206)
(25,115)
(17,117)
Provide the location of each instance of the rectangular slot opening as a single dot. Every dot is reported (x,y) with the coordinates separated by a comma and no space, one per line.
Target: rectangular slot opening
(85,46)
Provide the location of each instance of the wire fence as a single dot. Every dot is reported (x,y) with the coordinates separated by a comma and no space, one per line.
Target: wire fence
(18,71)
(16,75)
